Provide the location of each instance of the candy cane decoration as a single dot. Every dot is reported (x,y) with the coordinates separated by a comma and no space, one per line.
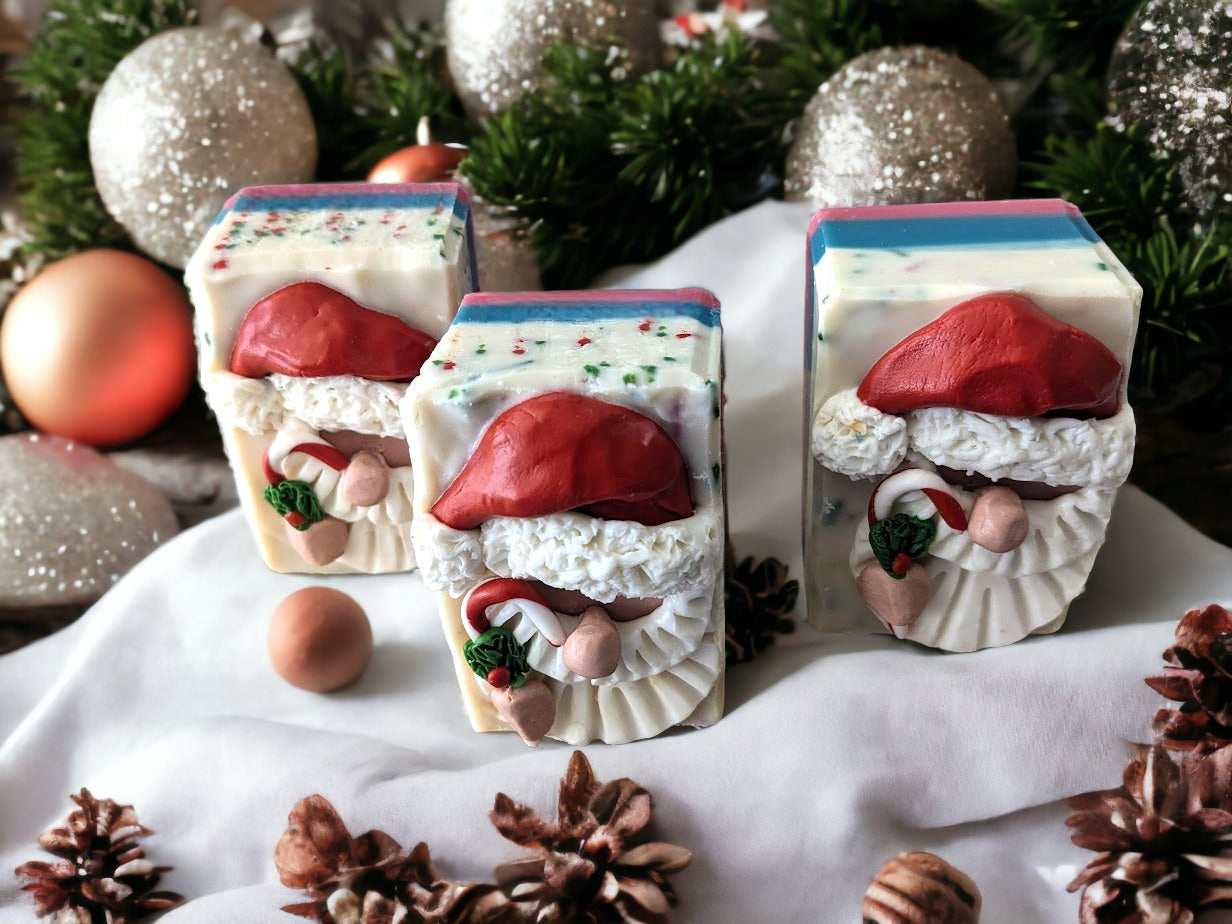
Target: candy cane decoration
(500,599)
(304,441)
(930,484)
(299,439)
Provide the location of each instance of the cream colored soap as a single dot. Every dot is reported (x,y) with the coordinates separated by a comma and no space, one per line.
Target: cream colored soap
(619,621)
(400,258)
(1006,467)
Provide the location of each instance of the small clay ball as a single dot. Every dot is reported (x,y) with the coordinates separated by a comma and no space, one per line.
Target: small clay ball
(319,639)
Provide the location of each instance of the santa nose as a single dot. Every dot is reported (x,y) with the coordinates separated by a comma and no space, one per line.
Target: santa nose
(592,650)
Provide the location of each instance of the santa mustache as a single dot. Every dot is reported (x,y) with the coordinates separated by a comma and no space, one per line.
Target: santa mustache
(857,440)
(566,619)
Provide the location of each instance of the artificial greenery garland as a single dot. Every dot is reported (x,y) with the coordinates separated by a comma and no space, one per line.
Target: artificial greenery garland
(609,171)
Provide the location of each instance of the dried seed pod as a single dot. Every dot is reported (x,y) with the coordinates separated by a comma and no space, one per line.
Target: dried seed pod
(921,888)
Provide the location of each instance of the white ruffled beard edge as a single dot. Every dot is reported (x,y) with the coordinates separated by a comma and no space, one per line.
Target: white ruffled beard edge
(983,599)
(854,439)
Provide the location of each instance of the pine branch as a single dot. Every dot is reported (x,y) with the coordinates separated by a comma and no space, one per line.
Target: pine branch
(371,109)
(817,37)
(405,81)
(657,158)
(327,79)
(1075,34)
(81,41)
(820,36)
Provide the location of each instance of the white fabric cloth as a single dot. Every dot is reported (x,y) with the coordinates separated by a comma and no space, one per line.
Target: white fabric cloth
(836,751)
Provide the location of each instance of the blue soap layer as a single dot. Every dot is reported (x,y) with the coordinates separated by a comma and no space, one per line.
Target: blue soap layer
(995,232)
(337,202)
(570,312)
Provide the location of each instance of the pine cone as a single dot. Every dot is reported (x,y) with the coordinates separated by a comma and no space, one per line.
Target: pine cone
(102,874)
(757,600)
(1198,675)
(1164,837)
(371,879)
(921,888)
(595,864)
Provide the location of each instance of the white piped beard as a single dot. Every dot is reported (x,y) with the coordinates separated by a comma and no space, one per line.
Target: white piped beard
(672,658)
(981,598)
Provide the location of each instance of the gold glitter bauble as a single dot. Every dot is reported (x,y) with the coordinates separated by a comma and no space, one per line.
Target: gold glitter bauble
(72,522)
(496,49)
(1171,72)
(187,119)
(902,125)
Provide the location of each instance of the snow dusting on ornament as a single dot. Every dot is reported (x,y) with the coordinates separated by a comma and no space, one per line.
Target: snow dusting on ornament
(71,521)
(902,125)
(496,50)
(188,118)
(1171,72)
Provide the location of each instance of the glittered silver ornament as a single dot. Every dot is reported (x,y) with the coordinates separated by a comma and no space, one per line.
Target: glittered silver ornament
(185,120)
(495,49)
(902,125)
(71,521)
(1172,73)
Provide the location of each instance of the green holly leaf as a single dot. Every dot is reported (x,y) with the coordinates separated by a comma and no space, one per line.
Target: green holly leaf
(497,648)
(900,534)
(295,497)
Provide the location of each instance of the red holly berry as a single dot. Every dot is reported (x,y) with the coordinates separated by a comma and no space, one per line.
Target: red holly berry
(498,677)
(902,563)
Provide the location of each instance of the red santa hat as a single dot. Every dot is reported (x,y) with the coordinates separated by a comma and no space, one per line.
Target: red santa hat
(997,354)
(308,329)
(564,451)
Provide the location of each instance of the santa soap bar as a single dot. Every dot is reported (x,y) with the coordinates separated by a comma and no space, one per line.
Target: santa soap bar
(569,509)
(966,416)
(316,305)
